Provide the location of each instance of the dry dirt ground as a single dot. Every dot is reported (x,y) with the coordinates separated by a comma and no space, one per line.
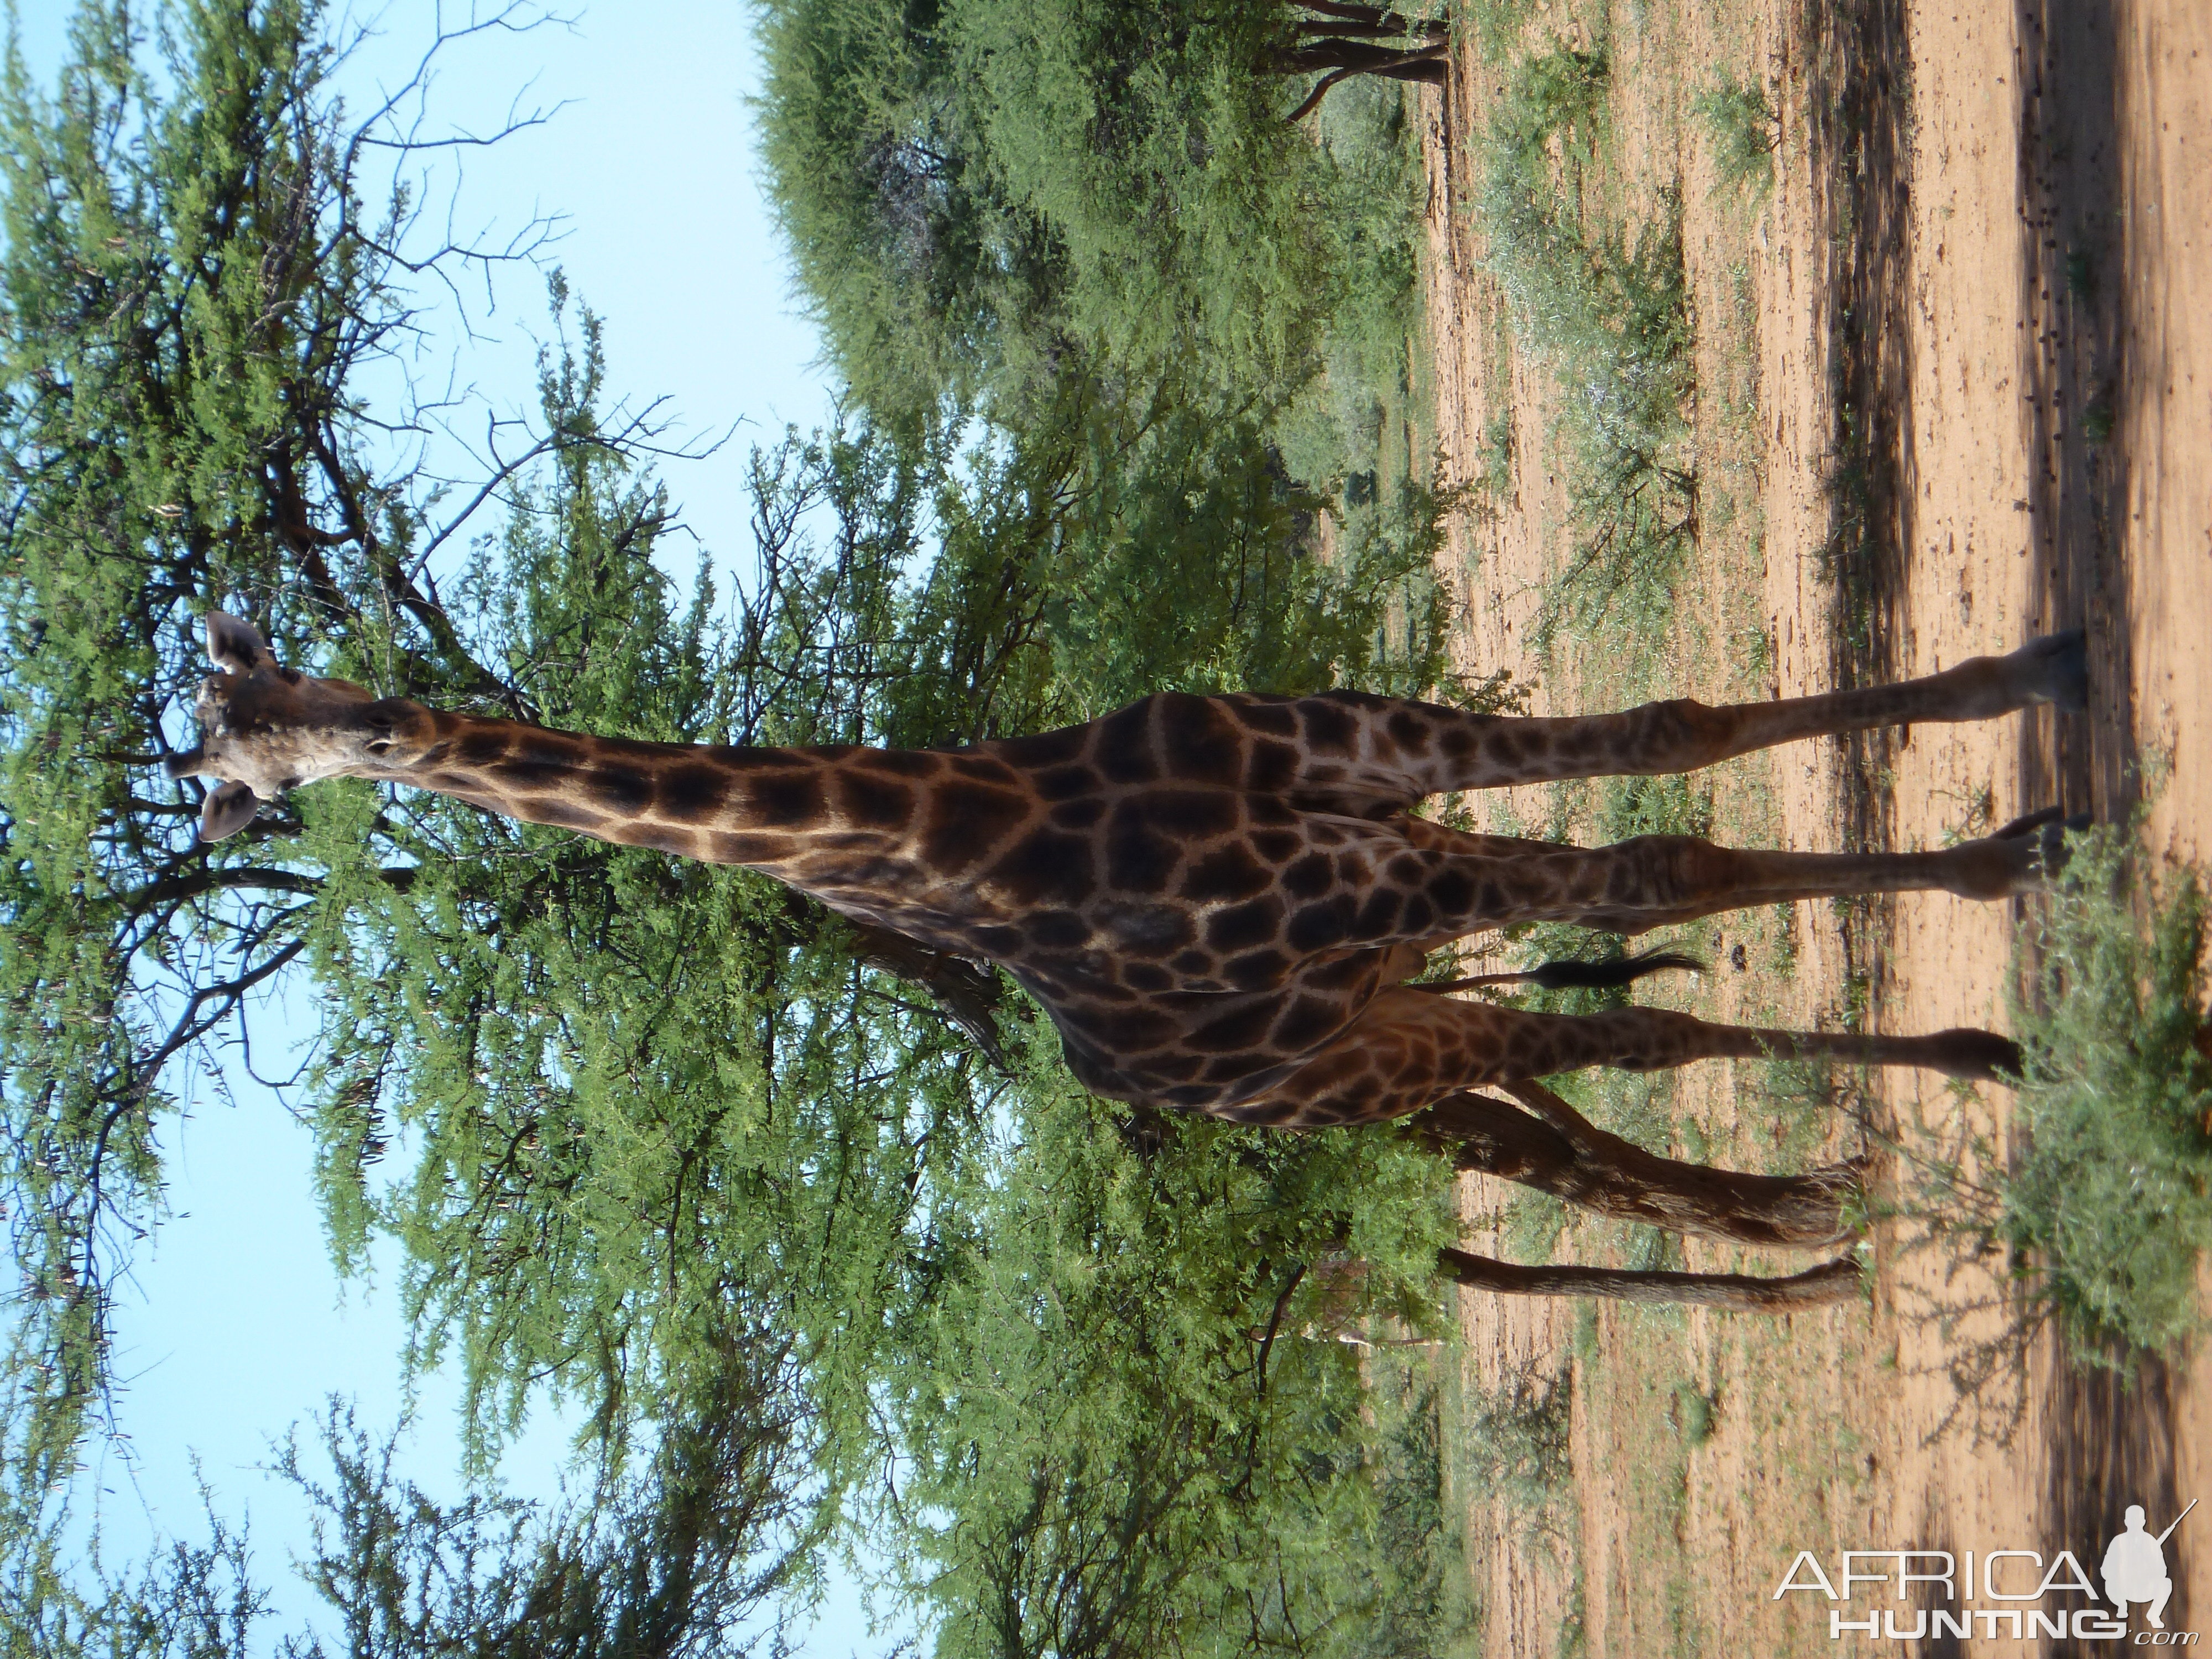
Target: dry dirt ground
(1954,372)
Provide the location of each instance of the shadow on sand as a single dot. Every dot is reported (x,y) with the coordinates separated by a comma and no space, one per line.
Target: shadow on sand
(2108,1439)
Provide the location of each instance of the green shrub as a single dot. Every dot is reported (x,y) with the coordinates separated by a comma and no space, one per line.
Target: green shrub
(2110,1192)
(1743,128)
(1517,1444)
(1605,304)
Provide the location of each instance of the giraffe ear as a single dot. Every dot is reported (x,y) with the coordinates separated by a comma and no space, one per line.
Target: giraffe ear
(229,808)
(237,647)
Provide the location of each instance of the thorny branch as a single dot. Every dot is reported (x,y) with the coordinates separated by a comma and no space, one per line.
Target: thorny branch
(322,301)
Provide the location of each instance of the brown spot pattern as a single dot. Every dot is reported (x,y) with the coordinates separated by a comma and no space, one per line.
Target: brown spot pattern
(1208,894)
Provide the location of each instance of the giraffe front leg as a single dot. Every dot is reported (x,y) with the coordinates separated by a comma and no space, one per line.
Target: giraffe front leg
(1408,1050)
(1684,736)
(1659,881)
(1831,1282)
(1394,751)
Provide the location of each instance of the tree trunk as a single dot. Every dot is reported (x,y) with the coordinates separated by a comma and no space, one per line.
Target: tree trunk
(1366,20)
(1424,62)
(1831,1282)
(1338,49)
(1564,1154)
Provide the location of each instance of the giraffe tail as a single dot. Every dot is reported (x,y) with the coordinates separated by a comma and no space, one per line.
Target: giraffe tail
(1572,976)
(1604,976)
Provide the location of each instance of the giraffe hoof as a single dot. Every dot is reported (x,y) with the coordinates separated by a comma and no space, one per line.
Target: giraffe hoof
(2024,857)
(2045,833)
(2059,666)
(1979,1057)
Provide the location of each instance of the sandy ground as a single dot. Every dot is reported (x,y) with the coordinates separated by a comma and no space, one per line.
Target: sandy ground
(1987,260)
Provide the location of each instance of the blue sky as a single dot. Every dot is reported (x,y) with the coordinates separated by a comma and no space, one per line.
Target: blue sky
(234,1326)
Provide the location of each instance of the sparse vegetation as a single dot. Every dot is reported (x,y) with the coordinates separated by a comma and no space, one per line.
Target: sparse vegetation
(1517,1444)
(1596,290)
(1740,123)
(2110,1192)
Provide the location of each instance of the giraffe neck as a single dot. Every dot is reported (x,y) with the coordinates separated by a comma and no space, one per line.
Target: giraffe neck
(771,809)
(888,835)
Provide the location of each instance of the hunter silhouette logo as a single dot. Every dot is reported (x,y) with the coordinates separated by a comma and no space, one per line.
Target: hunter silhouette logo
(1952,1590)
(2134,1566)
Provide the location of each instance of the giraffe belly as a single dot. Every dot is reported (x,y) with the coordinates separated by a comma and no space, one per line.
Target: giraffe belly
(1209,1049)
(1194,946)
(1151,889)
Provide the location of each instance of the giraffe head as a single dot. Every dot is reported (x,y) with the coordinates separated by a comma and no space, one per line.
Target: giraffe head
(265,728)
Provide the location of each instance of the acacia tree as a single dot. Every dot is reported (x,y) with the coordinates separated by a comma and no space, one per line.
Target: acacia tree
(697,1553)
(1345,40)
(194,291)
(632,1084)
(984,198)
(1134,1430)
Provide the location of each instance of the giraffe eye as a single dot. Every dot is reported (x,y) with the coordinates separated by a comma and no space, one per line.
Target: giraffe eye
(379,746)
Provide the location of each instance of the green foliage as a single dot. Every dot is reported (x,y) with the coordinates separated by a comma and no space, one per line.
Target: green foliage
(1092,226)
(742,1180)
(1603,300)
(1515,1442)
(1744,130)
(1339,427)
(183,284)
(2111,1191)
(1677,804)
(1133,1431)
(1189,565)
(1693,1412)
(691,1557)
(639,1094)
(974,188)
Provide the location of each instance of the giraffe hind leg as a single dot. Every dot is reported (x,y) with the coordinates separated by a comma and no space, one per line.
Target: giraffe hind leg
(1831,1282)
(1659,881)
(1407,1051)
(1544,1143)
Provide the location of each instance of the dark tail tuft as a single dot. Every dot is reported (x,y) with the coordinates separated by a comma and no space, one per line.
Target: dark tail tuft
(1604,976)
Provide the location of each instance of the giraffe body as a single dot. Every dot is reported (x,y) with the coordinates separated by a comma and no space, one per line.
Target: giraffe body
(1214,897)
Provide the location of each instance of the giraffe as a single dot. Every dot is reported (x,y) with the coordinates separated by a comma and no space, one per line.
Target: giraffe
(1218,900)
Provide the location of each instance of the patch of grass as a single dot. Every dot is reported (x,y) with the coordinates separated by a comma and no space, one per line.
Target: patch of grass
(1574,1627)
(1429,1608)
(1744,130)
(1530,1224)
(1602,298)
(1801,1101)
(1587,1346)
(2110,1196)
(1494,472)
(1678,804)
(1652,1249)
(1361,430)
(1516,1442)
(1694,1413)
